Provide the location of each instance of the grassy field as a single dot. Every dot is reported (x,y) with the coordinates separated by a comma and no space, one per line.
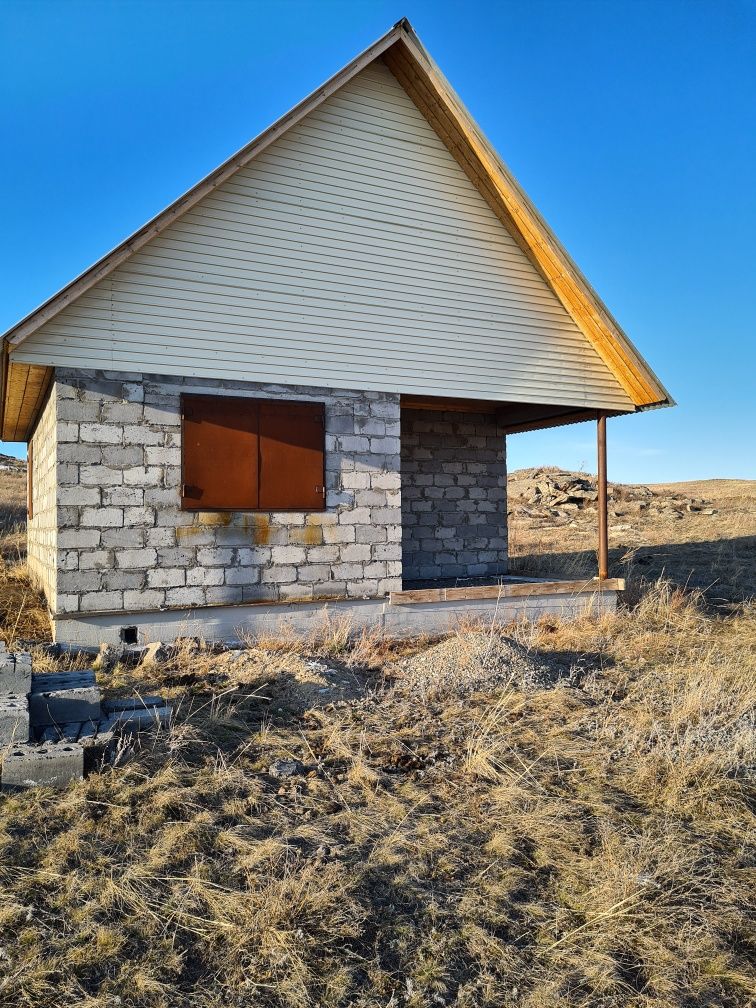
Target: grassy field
(552,817)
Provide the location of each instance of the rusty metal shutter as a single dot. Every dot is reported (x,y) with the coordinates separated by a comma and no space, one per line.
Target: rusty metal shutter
(292,456)
(219,453)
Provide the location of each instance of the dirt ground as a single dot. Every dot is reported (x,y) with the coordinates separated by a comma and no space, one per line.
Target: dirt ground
(699,535)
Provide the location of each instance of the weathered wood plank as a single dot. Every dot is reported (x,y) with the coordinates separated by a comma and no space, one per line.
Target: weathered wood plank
(506,590)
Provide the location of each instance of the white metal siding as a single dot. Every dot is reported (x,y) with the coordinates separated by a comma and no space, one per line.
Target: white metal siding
(353,252)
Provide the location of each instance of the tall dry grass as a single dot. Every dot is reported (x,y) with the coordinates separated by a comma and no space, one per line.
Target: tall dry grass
(585,844)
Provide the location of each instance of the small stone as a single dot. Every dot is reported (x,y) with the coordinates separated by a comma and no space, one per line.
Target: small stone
(154,652)
(287,768)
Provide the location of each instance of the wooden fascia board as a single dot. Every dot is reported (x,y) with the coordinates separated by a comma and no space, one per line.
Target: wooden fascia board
(424,82)
(154,227)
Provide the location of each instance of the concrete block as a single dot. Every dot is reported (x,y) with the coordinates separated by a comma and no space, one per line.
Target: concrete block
(102,601)
(60,698)
(15,673)
(140,720)
(53,764)
(136,703)
(14,720)
(100,433)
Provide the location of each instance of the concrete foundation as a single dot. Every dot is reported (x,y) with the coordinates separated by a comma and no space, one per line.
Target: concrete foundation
(234,623)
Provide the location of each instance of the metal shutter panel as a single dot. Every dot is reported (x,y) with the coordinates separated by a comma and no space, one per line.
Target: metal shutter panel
(219,453)
(292,456)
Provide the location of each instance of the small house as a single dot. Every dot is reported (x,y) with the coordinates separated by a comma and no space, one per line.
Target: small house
(290,391)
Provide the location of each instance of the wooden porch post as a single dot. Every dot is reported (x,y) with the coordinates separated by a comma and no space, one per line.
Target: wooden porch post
(603,538)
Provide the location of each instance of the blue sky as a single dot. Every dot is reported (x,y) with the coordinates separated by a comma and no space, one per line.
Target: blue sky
(632,126)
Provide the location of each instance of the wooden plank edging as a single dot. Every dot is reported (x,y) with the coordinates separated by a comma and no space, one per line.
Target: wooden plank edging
(506,591)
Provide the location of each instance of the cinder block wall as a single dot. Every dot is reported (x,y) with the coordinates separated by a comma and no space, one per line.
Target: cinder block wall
(454,495)
(42,526)
(125,543)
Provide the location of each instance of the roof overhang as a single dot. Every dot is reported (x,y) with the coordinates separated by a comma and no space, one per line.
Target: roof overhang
(403,53)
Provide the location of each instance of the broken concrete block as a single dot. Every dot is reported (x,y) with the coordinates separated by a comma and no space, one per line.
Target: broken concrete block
(15,673)
(153,652)
(64,705)
(14,720)
(54,764)
(97,733)
(141,720)
(70,732)
(132,703)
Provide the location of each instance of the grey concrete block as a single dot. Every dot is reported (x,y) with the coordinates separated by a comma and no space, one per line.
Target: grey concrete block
(64,697)
(53,764)
(98,734)
(15,673)
(14,720)
(141,720)
(135,703)
(44,681)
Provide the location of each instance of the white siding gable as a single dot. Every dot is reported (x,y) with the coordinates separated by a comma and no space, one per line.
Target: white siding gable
(353,252)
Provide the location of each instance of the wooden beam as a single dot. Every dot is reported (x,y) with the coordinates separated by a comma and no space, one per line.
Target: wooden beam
(603,526)
(443,404)
(516,590)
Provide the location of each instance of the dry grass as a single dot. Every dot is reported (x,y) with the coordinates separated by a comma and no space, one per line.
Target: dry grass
(553,818)
(715,553)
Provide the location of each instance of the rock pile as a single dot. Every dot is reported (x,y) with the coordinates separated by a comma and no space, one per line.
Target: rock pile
(537,492)
(51,721)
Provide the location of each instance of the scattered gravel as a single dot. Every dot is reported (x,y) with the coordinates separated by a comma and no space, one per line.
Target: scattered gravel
(472,662)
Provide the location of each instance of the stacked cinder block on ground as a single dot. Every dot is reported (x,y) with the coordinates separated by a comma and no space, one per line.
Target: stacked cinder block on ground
(49,720)
(15,686)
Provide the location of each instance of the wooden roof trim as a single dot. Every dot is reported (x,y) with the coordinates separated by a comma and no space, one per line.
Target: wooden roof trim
(426,85)
(25,388)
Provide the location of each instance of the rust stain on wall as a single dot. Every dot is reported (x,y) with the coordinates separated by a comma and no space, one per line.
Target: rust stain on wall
(308,535)
(213,519)
(259,525)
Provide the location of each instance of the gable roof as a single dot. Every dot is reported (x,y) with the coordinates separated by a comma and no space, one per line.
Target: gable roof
(402,52)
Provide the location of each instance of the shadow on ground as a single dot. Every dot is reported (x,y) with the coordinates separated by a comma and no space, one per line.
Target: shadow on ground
(723,569)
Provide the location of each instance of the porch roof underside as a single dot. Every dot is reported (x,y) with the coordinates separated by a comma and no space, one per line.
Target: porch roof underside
(515,417)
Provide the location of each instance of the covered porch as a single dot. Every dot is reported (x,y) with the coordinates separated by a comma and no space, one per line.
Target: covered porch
(454,500)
